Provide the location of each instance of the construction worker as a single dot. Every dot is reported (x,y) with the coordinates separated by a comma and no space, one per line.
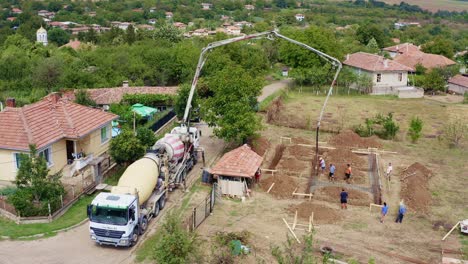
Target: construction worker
(348,173)
(322,164)
(384,212)
(331,175)
(389,170)
(401,213)
(344,199)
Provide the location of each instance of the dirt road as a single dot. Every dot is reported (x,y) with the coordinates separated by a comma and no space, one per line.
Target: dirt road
(272,88)
(75,246)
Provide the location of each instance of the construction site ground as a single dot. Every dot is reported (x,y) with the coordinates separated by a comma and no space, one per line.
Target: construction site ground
(428,176)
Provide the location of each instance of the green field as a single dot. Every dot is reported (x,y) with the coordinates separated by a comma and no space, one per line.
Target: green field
(434,5)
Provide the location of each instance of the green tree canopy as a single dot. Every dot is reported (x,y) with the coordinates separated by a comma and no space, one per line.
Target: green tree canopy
(58,36)
(440,45)
(146,136)
(126,148)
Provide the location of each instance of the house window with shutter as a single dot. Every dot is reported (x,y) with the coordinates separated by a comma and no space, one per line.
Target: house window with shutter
(379,77)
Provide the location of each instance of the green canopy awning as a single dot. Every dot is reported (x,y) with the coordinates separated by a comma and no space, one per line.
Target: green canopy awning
(144,111)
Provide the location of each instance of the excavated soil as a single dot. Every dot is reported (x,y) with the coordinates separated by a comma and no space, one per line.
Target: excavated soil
(341,157)
(300,152)
(322,214)
(332,194)
(293,164)
(279,149)
(283,188)
(301,140)
(414,188)
(259,145)
(358,176)
(350,139)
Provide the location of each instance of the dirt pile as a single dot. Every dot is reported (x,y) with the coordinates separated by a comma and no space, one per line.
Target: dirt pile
(332,194)
(415,187)
(279,149)
(259,145)
(322,214)
(350,139)
(274,110)
(283,188)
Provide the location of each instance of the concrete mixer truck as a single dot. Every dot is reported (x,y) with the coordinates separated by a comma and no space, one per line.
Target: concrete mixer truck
(118,217)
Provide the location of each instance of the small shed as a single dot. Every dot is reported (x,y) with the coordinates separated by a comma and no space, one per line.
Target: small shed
(236,170)
(285,71)
(144,111)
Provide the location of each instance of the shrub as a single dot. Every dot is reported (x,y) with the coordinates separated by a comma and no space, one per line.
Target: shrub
(153,100)
(126,148)
(415,129)
(465,98)
(455,132)
(146,136)
(388,131)
(7,191)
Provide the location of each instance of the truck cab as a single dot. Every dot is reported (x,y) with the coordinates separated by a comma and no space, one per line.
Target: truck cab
(114,219)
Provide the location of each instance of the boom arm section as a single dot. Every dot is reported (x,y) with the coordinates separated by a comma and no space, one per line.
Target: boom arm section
(269,34)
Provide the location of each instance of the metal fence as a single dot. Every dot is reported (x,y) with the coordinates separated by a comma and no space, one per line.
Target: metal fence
(202,211)
(163,120)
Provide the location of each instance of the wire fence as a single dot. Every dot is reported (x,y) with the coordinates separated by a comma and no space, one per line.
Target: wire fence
(202,210)
(72,192)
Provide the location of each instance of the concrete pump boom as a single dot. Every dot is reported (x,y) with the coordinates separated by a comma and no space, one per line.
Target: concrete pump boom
(269,34)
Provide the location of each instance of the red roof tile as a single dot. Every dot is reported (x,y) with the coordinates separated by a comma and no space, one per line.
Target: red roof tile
(373,63)
(47,121)
(404,48)
(74,44)
(241,161)
(427,60)
(459,79)
(106,96)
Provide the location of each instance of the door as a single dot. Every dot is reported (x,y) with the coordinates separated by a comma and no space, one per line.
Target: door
(70,150)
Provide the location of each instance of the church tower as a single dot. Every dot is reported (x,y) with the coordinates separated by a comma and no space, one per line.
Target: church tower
(41,36)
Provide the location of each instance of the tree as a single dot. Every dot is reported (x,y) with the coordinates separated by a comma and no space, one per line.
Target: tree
(58,36)
(36,188)
(415,129)
(455,132)
(440,45)
(130,36)
(47,73)
(168,32)
(367,32)
(126,148)
(181,100)
(146,136)
(82,98)
(346,78)
(372,46)
(176,245)
(434,81)
(364,83)
(231,109)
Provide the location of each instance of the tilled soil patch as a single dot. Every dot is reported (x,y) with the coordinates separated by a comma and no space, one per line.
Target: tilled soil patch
(300,152)
(342,157)
(301,140)
(350,139)
(414,188)
(332,194)
(322,214)
(283,188)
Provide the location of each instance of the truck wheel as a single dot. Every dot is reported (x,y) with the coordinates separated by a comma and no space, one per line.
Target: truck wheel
(156,209)
(162,202)
(144,225)
(134,237)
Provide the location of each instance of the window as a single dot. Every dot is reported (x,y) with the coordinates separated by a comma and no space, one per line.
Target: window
(17,158)
(47,155)
(400,77)
(379,77)
(104,135)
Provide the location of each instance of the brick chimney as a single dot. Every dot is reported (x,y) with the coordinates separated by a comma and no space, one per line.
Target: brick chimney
(55,97)
(11,102)
(125,84)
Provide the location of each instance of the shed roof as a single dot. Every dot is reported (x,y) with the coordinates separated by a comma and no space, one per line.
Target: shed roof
(459,79)
(240,162)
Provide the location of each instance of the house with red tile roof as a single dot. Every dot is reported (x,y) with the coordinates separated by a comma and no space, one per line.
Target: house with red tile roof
(458,84)
(411,55)
(69,136)
(236,170)
(107,96)
(387,75)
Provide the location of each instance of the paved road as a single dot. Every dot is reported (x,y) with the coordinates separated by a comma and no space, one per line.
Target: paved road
(272,88)
(75,246)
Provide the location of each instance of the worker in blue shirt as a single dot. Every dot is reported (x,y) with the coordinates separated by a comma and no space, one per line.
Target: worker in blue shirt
(401,213)
(344,199)
(331,175)
(384,212)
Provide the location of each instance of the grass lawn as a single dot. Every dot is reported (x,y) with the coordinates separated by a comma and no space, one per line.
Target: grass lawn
(114,178)
(73,216)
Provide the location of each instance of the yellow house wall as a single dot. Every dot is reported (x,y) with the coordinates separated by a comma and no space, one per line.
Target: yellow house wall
(7,166)
(91,144)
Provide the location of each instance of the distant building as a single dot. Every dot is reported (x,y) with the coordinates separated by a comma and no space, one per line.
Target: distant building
(41,36)
(180,25)
(458,84)
(243,24)
(74,44)
(410,55)
(11,19)
(169,15)
(152,9)
(299,17)
(206,6)
(16,11)
(152,21)
(233,30)
(249,7)
(400,25)
(145,27)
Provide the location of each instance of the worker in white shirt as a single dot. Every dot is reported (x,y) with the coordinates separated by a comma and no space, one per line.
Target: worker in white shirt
(389,170)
